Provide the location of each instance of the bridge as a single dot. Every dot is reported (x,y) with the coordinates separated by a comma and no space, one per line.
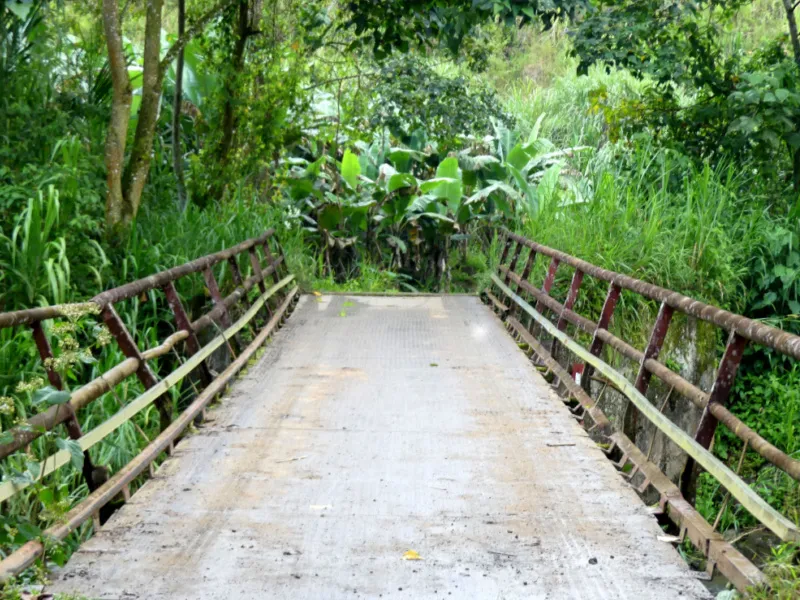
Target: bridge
(372,446)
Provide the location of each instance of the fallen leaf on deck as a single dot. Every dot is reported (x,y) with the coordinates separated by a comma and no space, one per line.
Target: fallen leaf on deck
(412,555)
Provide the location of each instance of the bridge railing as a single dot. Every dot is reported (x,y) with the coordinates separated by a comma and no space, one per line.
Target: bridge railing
(517,299)
(256,305)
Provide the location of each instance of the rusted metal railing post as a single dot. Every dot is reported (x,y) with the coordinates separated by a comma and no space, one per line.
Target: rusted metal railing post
(236,272)
(225,316)
(183,323)
(506,249)
(259,274)
(270,261)
(720,392)
(514,260)
(548,281)
(610,303)
(526,272)
(572,297)
(216,296)
(131,350)
(657,337)
(71,423)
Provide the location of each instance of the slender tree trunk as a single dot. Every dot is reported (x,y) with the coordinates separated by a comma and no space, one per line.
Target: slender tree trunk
(138,168)
(228,113)
(122,97)
(793,35)
(125,185)
(177,155)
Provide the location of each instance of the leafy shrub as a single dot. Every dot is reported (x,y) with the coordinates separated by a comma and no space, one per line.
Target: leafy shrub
(419,106)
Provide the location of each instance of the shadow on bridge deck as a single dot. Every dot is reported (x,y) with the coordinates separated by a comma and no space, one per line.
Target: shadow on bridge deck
(373,426)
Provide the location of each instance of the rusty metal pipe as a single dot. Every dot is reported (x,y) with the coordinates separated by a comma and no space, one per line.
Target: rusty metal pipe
(33,315)
(135,288)
(754,331)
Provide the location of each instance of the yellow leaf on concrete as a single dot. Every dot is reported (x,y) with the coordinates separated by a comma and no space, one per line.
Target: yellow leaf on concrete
(412,555)
(317,294)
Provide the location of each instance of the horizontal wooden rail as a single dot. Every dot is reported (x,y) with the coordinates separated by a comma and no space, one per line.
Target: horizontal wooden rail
(31,551)
(757,506)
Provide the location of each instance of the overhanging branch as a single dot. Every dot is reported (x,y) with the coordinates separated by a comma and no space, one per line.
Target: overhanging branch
(196,28)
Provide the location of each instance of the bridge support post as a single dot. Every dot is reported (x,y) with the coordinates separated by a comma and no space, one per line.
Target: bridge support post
(572,297)
(271,261)
(657,337)
(72,424)
(610,303)
(526,272)
(183,323)
(259,273)
(548,282)
(131,350)
(720,392)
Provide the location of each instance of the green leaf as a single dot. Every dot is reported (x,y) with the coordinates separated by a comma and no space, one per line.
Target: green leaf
(21,8)
(33,468)
(396,241)
(6,437)
(400,180)
(518,157)
(46,496)
(401,158)
(50,396)
(450,191)
(782,94)
(74,449)
(351,169)
(329,217)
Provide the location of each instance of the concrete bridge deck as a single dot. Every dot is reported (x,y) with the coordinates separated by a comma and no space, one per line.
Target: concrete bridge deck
(370,427)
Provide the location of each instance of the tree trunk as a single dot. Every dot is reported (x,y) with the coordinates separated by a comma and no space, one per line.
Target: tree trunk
(125,186)
(138,168)
(228,113)
(177,156)
(793,35)
(122,97)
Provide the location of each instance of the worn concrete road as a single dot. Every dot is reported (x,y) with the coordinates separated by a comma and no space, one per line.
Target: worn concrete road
(373,426)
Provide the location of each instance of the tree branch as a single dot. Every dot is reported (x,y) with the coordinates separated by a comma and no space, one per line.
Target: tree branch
(196,28)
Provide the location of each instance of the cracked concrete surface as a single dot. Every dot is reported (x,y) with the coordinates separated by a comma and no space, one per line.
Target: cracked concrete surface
(373,426)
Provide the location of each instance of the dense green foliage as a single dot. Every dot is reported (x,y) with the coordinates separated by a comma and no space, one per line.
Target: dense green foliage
(658,139)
